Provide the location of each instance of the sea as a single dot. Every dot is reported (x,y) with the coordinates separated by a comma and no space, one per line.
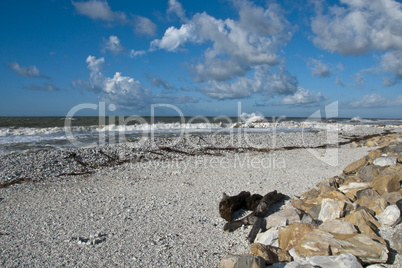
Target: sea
(40,133)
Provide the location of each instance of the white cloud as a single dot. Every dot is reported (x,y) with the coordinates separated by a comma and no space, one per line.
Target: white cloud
(392,62)
(113,45)
(237,45)
(135,53)
(176,8)
(303,96)
(265,82)
(28,71)
(174,38)
(144,26)
(375,101)
(359,26)
(318,68)
(99,10)
(123,91)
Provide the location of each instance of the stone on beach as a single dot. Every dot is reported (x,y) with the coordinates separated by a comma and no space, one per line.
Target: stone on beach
(290,235)
(242,261)
(319,242)
(270,254)
(338,226)
(353,167)
(390,215)
(331,209)
(385,161)
(341,261)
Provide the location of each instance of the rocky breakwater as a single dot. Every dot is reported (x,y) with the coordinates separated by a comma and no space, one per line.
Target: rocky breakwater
(351,220)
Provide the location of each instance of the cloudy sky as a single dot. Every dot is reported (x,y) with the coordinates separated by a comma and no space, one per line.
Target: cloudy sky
(278,58)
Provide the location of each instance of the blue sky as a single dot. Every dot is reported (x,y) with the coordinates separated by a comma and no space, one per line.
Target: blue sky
(278,58)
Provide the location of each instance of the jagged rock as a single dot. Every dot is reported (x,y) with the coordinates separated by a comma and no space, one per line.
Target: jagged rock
(397,241)
(344,260)
(315,211)
(365,223)
(385,161)
(328,182)
(376,204)
(338,226)
(229,204)
(291,234)
(306,204)
(312,194)
(392,198)
(390,215)
(269,237)
(331,209)
(351,189)
(370,143)
(242,261)
(335,195)
(287,216)
(270,254)
(319,242)
(386,183)
(353,167)
(374,154)
(367,173)
(368,192)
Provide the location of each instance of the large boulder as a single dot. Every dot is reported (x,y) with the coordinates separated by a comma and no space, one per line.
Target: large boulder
(353,167)
(386,183)
(331,209)
(338,226)
(390,215)
(290,235)
(242,261)
(319,242)
(270,254)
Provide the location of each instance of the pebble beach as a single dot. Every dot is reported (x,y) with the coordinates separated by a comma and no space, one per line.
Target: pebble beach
(153,203)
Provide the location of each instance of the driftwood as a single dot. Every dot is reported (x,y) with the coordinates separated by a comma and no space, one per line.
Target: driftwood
(256,217)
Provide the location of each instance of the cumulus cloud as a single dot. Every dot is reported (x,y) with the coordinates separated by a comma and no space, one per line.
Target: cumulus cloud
(392,62)
(318,68)
(303,96)
(144,26)
(28,71)
(123,91)
(113,45)
(99,10)
(176,8)
(45,87)
(359,26)
(174,38)
(265,82)
(237,45)
(375,101)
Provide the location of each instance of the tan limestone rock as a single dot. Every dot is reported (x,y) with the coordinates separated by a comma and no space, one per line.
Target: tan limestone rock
(386,183)
(353,167)
(338,226)
(291,234)
(331,209)
(319,242)
(376,204)
(374,154)
(270,254)
(243,261)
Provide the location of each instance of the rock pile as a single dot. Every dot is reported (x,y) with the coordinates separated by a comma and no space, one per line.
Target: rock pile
(339,222)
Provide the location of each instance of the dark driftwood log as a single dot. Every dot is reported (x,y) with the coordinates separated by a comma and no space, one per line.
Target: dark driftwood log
(229,204)
(255,218)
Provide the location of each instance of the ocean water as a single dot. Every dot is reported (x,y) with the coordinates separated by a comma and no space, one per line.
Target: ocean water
(36,133)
